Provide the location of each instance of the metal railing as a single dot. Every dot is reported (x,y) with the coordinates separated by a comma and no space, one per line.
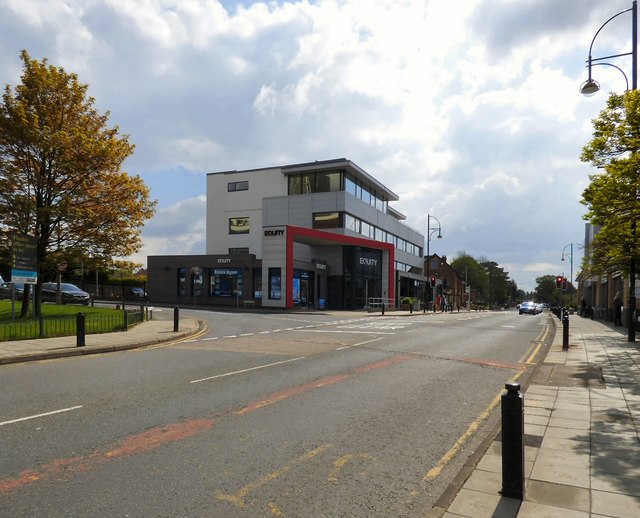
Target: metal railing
(378,304)
(67,326)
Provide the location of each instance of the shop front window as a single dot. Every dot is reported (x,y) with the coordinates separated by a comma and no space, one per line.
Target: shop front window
(225,282)
(182,282)
(275,284)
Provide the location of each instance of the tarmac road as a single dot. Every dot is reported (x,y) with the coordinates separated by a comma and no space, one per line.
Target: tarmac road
(270,415)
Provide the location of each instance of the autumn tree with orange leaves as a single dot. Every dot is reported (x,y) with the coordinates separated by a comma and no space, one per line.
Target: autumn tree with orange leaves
(60,173)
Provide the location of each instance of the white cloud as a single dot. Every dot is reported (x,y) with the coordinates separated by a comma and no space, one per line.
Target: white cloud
(467,111)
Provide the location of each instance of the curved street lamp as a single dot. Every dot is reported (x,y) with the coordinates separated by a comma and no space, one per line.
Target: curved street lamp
(570,256)
(590,87)
(430,232)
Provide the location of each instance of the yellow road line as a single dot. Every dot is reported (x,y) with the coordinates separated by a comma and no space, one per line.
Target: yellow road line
(540,343)
(238,499)
(473,428)
(198,334)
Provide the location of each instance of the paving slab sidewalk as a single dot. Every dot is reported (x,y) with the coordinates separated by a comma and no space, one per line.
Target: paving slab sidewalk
(582,424)
(141,335)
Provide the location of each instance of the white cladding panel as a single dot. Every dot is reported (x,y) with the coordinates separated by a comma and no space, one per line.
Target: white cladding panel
(223,205)
(274,254)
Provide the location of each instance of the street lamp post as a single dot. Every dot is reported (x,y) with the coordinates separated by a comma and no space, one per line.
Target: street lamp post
(590,87)
(570,255)
(430,232)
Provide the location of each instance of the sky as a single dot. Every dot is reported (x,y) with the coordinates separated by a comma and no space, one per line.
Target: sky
(469,110)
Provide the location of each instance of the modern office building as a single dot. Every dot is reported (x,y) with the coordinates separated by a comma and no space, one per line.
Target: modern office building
(319,234)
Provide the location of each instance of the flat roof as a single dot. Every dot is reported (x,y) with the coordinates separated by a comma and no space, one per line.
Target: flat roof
(322,165)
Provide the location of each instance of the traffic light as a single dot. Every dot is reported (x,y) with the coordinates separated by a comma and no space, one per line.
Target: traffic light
(559,281)
(433,281)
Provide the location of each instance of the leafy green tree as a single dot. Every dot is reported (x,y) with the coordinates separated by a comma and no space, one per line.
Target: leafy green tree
(60,174)
(612,197)
(499,285)
(472,271)
(546,289)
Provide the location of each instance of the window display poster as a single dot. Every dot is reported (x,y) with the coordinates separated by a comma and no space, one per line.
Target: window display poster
(275,284)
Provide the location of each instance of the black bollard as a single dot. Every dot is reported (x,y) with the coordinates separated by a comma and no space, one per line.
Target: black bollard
(80,330)
(513,442)
(176,319)
(411,309)
(565,329)
(383,308)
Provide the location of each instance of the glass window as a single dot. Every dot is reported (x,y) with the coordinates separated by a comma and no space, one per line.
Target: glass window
(182,282)
(197,280)
(365,228)
(351,223)
(239,225)
(307,183)
(328,181)
(366,195)
(238,186)
(295,184)
(275,284)
(327,220)
(391,239)
(381,235)
(350,185)
(225,282)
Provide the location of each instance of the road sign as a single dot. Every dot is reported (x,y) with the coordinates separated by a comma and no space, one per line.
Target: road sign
(24,258)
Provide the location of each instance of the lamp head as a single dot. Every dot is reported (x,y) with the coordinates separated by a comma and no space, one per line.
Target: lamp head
(439,234)
(589,87)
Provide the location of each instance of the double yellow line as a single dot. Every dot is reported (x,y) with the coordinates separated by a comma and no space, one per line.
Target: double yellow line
(473,427)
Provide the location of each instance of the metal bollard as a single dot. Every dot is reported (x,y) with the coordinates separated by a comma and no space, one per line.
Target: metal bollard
(80,330)
(513,442)
(411,309)
(41,324)
(565,329)
(176,319)
(383,308)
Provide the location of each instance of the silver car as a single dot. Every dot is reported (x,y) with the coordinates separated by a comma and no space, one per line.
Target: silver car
(528,307)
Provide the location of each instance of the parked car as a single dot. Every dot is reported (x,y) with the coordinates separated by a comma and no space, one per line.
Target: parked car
(531,308)
(5,290)
(71,294)
(136,294)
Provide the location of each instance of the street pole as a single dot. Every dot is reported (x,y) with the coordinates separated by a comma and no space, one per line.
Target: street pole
(590,87)
(430,288)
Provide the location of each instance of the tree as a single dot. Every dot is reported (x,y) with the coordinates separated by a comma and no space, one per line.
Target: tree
(499,283)
(471,271)
(60,174)
(612,198)
(546,289)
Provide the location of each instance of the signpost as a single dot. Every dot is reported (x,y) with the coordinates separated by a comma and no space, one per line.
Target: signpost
(24,267)
(24,263)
